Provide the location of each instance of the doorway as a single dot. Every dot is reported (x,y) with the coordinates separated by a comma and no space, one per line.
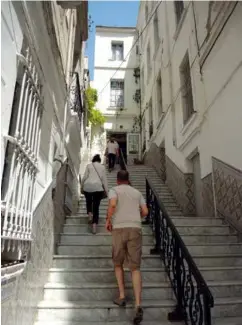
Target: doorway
(121,138)
(197,185)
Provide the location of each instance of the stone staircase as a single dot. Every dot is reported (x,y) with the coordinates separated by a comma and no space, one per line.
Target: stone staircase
(82,284)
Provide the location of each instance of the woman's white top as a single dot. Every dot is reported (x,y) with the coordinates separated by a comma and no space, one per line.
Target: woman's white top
(91,182)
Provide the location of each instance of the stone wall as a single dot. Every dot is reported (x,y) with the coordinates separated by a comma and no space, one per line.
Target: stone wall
(182,187)
(21,296)
(228,192)
(58,201)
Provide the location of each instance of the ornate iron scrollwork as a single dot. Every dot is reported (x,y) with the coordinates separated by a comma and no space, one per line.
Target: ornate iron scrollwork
(194,299)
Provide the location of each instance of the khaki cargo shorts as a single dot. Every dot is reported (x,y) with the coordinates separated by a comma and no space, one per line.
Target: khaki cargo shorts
(127,247)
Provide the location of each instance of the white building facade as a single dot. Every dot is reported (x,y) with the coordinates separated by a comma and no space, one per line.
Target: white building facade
(42,132)
(191,76)
(116,60)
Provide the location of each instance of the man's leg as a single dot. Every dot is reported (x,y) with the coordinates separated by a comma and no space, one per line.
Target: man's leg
(137,286)
(119,273)
(134,247)
(109,161)
(118,255)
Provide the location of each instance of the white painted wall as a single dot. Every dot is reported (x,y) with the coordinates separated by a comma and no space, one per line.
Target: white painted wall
(106,69)
(215,128)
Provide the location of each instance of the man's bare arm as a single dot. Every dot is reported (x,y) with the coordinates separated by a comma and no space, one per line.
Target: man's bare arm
(144,210)
(111,208)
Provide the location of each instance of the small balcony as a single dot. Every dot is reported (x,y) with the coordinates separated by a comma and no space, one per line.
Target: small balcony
(69,4)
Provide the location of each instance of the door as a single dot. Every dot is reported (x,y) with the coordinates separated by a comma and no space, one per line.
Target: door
(133,146)
(197,185)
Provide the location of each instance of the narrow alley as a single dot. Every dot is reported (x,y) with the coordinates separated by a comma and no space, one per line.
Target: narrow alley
(160,81)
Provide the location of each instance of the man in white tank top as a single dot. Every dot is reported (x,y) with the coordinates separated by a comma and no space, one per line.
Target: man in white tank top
(126,207)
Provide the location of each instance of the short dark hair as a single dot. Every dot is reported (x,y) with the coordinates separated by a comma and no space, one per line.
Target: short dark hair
(123,176)
(96,158)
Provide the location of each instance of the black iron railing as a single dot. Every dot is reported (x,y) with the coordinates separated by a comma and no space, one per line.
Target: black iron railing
(194,299)
(122,162)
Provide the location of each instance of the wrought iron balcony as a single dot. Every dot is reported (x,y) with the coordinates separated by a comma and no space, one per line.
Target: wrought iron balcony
(75,97)
(69,4)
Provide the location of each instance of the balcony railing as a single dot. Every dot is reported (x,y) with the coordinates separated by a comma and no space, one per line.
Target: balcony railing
(75,97)
(21,168)
(194,299)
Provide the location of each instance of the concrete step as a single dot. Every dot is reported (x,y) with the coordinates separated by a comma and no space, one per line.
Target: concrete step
(227,307)
(184,230)
(89,291)
(104,291)
(223,273)
(106,275)
(230,248)
(98,261)
(208,249)
(216,321)
(196,221)
(177,220)
(85,228)
(77,276)
(92,250)
(98,239)
(106,238)
(105,261)
(223,289)
(114,323)
(101,311)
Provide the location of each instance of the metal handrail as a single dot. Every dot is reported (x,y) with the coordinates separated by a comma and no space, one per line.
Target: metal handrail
(194,298)
(122,162)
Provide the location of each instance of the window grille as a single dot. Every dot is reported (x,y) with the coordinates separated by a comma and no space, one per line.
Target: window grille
(156,31)
(117,94)
(186,89)
(159,95)
(20,168)
(117,51)
(179,7)
(149,66)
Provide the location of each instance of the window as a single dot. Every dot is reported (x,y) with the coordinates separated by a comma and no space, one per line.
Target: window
(179,7)
(20,168)
(151,123)
(156,31)
(117,51)
(159,96)
(149,67)
(117,94)
(186,89)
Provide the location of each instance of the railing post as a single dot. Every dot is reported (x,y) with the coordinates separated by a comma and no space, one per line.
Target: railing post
(156,216)
(207,311)
(147,219)
(178,314)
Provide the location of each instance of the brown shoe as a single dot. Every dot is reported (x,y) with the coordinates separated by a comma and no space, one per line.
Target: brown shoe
(138,316)
(121,302)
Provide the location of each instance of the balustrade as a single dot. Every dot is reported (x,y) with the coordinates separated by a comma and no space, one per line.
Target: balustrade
(194,299)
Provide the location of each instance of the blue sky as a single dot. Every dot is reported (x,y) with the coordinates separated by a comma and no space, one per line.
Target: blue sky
(109,13)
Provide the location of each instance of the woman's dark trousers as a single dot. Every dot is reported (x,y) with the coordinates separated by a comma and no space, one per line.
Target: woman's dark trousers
(93,200)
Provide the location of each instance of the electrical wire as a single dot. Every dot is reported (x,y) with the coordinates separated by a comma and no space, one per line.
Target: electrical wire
(140,34)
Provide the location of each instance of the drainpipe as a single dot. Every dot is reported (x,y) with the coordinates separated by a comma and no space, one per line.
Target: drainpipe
(174,139)
(68,75)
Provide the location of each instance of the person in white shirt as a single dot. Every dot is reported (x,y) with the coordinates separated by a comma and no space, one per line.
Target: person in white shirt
(112,152)
(94,185)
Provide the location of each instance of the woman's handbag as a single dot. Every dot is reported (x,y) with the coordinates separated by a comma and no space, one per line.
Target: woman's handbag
(104,196)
